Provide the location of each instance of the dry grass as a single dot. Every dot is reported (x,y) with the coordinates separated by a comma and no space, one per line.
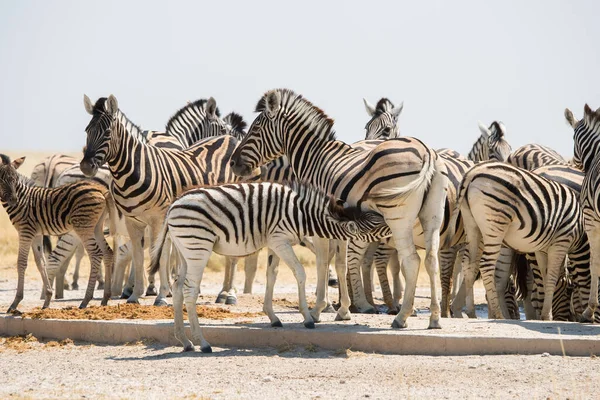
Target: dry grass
(131,311)
(29,342)
(348,353)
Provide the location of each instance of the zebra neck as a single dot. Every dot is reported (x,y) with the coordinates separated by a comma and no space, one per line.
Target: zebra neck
(479,151)
(123,151)
(131,128)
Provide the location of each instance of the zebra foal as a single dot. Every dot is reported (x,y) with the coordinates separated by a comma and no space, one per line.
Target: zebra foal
(36,211)
(252,216)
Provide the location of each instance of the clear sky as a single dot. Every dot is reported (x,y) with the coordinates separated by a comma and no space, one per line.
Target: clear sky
(452,62)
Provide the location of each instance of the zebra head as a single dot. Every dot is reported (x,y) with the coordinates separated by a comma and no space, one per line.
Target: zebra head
(9,178)
(236,125)
(264,141)
(586,131)
(367,226)
(498,147)
(384,120)
(103,114)
(196,121)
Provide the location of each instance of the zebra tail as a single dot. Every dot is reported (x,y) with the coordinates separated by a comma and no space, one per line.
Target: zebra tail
(111,207)
(158,249)
(460,197)
(420,183)
(519,266)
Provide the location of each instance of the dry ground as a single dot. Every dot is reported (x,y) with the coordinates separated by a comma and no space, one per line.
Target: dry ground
(40,369)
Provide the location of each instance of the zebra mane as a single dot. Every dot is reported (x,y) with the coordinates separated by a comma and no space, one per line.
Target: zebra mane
(237,123)
(382,106)
(130,126)
(296,104)
(195,108)
(6,162)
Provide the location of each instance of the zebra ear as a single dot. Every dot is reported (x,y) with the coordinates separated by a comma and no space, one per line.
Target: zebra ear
(112,106)
(211,108)
(397,110)
(273,102)
(483,128)
(16,163)
(87,103)
(369,107)
(570,118)
(587,110)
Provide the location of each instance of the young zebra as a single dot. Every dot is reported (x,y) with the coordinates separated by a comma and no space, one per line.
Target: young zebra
(146,179)
(252,216)
(586,152)
(392,178)
(500,204)
(35,211)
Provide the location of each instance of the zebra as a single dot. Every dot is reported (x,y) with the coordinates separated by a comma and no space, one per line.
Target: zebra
(35,211)
(45,173)
(252,216)
(501,203)
(532,156)
(391,178)
(585,156)
(146,178)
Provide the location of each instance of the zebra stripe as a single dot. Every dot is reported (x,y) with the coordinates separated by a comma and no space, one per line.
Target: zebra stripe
(503,204)
(391,178)
(585,154)
(147,179)
(384,120)
(253,216)
(491,144)
(35,211)
(532,156)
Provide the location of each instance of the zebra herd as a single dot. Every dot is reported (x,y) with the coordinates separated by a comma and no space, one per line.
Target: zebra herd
(528,221)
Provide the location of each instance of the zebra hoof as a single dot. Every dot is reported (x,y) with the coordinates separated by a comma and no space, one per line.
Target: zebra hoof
(59,296)
(74,286)
(13,311)
(582,319)
(206,349)
(127,292)
(82,306)
(44,307)
(338,317)
(188,348)
(104,302)
(329,309)
(434,325)
(398,325)
(170,294)
(370,310)
(276,324)
(132,301)
(393,311)
(160,302)
(231,300)
(100,285)
(334,283)
(151,291)
(221,299)
(309,324)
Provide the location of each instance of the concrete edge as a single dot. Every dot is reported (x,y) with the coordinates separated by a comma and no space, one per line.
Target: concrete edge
(122,331)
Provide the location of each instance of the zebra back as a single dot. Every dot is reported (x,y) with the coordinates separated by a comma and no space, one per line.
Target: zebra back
(532,156)
(47,171)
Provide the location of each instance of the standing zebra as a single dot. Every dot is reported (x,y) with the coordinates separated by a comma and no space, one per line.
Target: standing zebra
(252,216)
(586,152)
(384,120)
(146,179)
(532,156)
(391,178)
(500,204)
(35,211)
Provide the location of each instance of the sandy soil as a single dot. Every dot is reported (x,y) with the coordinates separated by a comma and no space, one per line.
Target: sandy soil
(66,370)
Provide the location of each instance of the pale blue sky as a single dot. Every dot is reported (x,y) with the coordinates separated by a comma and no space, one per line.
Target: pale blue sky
(452,62)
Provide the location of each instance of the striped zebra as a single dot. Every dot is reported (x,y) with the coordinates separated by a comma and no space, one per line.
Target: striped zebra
(384,120)
(499,204)
(146,179)
(585,155)
(35,211)
(252,216)
(391,178)
(532,156)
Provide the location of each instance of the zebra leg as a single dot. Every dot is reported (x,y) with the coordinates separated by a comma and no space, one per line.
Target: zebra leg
(530,312)
(180,280)
(447,258)
(122,261)
(59,261)
(554,261)
(272,271)
(398,289)
(136,234)
(458,287)
(593,233)
(502,278)
(232,291)
(191,290)
(107,258)
(470,269)
(356,254)
(24,246)
(382,259)
(341,267)
(230,264)
(250,267)
(79,253)
(40,261)
(286,253)
(492,246)
(322,253)
(95,254)
(366,267)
